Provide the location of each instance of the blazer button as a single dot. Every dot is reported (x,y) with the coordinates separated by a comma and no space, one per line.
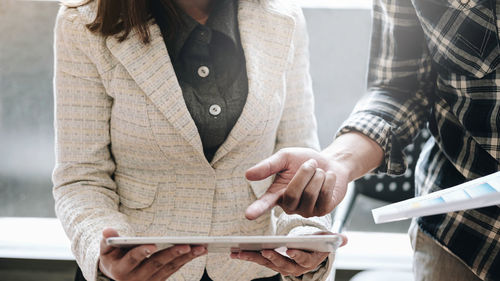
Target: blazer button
(215,109)
(203,71)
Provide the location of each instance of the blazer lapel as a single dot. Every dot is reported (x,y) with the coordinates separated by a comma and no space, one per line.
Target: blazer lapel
(266,37)
(150,66)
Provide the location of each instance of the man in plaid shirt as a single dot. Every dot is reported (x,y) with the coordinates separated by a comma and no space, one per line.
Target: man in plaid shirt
(434,63)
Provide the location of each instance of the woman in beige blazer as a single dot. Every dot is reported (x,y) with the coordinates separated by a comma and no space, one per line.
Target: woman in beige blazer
(129,155)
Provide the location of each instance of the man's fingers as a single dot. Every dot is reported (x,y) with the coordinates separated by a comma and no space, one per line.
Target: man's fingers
(305,259)
(326,203)
(267,167)
(293,193)
(264,203)
(311,193)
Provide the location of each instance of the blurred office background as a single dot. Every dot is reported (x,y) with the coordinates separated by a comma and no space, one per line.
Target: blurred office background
(339,33)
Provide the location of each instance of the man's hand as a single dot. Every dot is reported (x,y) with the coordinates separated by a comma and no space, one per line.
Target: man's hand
(306,183)
(311,183)
(143,262)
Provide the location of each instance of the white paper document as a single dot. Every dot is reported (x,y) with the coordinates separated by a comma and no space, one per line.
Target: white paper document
(478,193)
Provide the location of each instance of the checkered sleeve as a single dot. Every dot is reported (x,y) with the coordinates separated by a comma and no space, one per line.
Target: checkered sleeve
(397,104)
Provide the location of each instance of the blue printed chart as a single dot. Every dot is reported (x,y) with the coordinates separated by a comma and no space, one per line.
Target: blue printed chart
(478,193)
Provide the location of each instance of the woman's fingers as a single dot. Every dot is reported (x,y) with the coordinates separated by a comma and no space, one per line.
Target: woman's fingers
(160,259)
(139,263)
(307,260)
(118,263)
(301,263)
(255,257)
(294,190)
(108,256)
(287,266)
(274,261)
(282,262)
(104,248)
(133,258)
(174,265)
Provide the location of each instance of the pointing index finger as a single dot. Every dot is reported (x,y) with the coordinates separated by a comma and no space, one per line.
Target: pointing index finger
(264,203)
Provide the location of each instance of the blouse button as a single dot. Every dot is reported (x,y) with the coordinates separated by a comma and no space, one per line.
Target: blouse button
(203,71)
(215,109)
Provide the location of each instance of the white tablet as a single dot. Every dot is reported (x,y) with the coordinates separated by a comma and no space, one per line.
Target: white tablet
(225,244)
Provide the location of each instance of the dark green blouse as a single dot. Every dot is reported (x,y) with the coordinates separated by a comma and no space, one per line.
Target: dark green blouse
(210,65)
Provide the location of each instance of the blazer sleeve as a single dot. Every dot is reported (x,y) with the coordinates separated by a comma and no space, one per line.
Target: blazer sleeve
(85,195)
(298,128)
(298,124)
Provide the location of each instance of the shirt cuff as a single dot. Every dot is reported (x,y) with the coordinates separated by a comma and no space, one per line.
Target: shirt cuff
(380,131)
(325,268)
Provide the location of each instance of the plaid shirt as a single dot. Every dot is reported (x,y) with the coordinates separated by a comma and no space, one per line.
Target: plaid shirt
(434,63)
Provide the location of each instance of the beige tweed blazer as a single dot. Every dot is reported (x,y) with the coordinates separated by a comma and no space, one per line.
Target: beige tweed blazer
(129,155)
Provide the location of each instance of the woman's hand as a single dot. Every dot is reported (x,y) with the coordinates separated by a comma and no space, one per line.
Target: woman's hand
(299,263)
(143,262)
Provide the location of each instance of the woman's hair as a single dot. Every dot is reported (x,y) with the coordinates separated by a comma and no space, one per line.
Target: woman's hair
(120,17)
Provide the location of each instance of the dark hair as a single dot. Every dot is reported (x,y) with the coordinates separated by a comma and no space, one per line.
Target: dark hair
(120,17)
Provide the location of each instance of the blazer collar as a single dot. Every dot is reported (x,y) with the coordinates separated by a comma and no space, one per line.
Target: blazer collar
(266,35)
